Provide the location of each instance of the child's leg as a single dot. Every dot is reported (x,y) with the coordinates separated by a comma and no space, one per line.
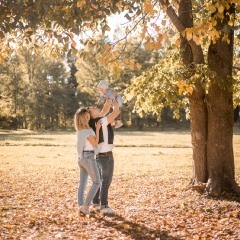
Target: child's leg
(118,120)
(119,115)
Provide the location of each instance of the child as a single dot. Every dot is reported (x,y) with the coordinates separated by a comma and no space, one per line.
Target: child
(109,93)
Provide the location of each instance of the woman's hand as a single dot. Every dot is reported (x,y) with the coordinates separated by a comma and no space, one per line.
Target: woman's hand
(98,124)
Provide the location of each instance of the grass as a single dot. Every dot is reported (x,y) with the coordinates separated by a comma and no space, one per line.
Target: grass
(39,177)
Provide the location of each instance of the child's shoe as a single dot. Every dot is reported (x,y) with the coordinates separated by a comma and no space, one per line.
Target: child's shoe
(119,124)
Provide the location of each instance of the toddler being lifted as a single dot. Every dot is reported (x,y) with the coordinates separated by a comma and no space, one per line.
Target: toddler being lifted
(111,94)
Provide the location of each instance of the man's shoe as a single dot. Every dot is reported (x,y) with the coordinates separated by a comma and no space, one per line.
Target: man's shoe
(107,211)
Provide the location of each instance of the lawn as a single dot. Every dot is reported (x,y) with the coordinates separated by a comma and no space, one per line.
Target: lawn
(39,177)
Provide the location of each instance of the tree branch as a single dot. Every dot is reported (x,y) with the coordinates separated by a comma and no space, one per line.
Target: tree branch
(238,68)
(173,16)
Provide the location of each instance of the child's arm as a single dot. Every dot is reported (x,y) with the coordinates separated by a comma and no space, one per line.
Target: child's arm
(100,99)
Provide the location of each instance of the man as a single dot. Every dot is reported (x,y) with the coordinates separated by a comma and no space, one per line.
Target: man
(106,160)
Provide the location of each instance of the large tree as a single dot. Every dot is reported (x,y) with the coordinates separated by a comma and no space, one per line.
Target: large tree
(204,32)
(211,108)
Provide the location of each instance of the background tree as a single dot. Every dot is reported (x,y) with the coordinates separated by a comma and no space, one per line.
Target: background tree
(37,91)
(12,91)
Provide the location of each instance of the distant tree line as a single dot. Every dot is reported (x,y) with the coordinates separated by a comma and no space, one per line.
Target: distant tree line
(38,92)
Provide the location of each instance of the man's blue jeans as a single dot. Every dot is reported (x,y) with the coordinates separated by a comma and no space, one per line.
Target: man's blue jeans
(106,167)
(88,166)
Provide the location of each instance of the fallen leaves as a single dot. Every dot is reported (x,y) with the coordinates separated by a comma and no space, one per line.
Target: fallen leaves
(38,197)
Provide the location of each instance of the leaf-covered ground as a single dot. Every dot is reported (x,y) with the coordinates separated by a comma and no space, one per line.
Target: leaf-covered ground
(39,177)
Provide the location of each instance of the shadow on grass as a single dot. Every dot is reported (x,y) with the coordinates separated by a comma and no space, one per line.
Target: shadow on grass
(134,230)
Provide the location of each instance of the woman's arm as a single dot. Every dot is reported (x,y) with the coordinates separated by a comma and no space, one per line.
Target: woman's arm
(94,139)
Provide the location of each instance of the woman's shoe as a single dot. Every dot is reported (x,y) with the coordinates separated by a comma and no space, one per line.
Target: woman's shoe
(84,209)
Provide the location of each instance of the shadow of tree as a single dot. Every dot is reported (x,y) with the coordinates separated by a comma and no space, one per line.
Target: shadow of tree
(131,229)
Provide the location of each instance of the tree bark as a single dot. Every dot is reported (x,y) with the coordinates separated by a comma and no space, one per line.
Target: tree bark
(192,53)
(220,114)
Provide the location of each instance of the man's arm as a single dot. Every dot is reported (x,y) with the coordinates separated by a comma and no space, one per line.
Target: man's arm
(106,108)
(114,113)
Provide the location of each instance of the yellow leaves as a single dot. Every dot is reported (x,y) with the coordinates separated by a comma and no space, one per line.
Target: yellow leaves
(157,46)
(132,64)
(129,96)
(164,8)
(212,8)
(94,6)
(2,58)
(214,34)
(81,3)
(189,33)
(197,39)
(139,66)
(119,5)
(226,38)
(221,9)
(183,88)
(73,44)
(125,226)
(189,90)
(230,22)
(156,84)
(117,68)
(165,36)
(177,42)
(148,8)
(107,47)
(71,35)
(149,45)
(196,237)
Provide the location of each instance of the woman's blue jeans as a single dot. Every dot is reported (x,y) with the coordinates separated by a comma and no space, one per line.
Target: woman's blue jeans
(106,166)
(88,166)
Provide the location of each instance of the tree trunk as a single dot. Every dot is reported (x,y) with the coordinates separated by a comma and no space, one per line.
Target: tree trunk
(221,175)
(192,53)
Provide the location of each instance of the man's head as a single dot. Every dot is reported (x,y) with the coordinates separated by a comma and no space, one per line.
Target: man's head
(94,112)
(103,86)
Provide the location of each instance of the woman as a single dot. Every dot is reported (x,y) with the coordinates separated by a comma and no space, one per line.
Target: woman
(87,153)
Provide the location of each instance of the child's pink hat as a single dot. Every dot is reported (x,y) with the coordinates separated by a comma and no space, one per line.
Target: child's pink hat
(103,84)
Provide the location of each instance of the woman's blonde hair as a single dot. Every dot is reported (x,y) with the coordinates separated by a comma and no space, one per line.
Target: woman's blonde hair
(80,119)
